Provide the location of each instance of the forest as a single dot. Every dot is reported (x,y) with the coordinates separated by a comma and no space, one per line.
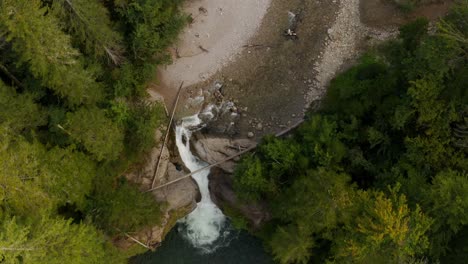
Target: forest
(74,116)
(379,173)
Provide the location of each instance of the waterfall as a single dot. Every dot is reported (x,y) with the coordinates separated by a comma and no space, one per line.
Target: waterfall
(204,226)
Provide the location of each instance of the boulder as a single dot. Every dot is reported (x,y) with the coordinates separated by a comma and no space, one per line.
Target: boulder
(182,194)
(215,149)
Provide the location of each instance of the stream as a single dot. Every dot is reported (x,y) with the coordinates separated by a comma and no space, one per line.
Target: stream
(206,224)
(205,235)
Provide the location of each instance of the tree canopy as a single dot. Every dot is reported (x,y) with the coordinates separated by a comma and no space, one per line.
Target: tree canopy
(74,117)
(379,173)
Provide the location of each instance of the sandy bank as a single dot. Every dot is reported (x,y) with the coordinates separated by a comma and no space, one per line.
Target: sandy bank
(219,30)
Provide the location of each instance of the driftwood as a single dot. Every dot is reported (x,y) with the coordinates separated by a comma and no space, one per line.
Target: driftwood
(174,107)
(258,46)
(203,49)
(281,133)
(133,239)
(136,241)
(178,55)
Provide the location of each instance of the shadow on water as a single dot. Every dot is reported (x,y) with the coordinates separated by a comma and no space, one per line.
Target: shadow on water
(242,249)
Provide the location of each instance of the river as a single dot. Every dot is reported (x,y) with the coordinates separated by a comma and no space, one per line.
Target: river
(205,235)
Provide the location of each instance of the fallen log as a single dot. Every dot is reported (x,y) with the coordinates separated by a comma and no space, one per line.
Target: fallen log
(174,107)
(281,133)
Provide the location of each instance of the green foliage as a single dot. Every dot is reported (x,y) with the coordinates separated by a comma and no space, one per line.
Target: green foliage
(21,179)
(123,207)
(19,111)
(398,118)
(291,244)
(448,200)
(385,227)
(53,241)
(142,121)
(90,27)
(250,180)
(236,217)
(321,141)
(73,120)
(71,175)
(38,42)
(412,33)
(150,26)
(96,132)
(326,196)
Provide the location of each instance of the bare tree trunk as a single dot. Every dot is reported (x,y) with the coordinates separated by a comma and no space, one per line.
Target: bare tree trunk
(174,107)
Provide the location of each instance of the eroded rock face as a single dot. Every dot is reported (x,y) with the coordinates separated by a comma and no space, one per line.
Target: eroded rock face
(214,149)
(223,194)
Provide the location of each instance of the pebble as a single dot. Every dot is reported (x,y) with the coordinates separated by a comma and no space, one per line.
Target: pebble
(250,134)
(259,126)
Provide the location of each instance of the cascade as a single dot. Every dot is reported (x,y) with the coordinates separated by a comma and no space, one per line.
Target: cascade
(204,226)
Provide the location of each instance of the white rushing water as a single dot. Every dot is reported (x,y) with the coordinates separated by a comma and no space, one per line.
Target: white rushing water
(204,225)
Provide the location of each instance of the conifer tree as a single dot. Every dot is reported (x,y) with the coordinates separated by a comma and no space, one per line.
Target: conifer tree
(98,134)
(21,180)
(41,45)
(292,244)
(90,27)
(19,111)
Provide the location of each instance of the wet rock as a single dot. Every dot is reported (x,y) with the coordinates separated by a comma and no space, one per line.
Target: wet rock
(180,194)
(217,85)
(214,149)
(222,194)
(259,126)
(193,102)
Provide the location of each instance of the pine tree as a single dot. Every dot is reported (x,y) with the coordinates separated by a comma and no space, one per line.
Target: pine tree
(21,180)
(19,111)
(98,134)
(89,24)
(70,175)
(41,45)
(292,244)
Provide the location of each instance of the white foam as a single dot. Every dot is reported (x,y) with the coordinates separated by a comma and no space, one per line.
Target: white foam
(205,223)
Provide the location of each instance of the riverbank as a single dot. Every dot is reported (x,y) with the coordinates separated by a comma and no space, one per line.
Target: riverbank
(213,39)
